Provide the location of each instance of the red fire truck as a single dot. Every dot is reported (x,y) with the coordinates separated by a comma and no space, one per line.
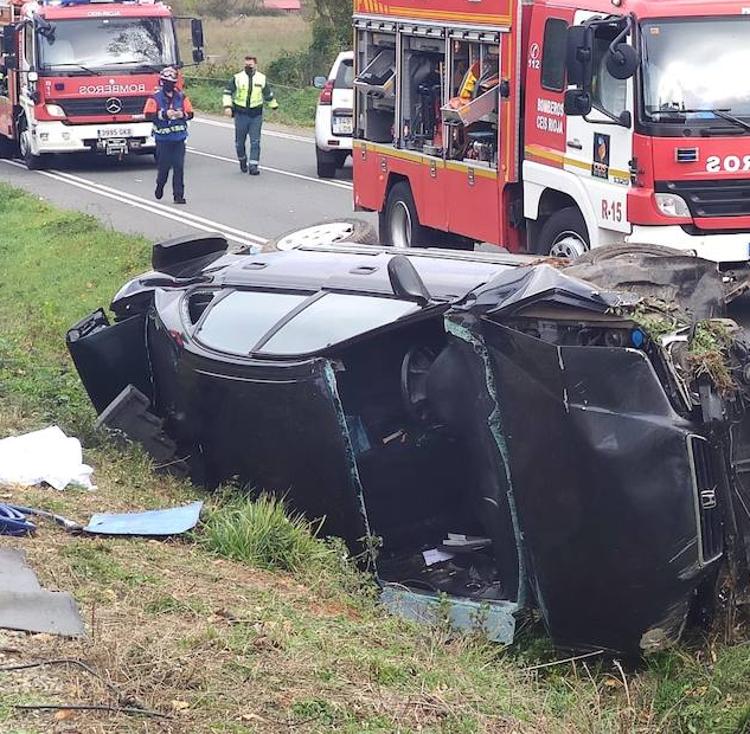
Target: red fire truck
(555,125)
(77,73)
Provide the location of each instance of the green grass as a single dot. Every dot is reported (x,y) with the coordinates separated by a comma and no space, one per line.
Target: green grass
(296,106)
(264,534)
(248,646)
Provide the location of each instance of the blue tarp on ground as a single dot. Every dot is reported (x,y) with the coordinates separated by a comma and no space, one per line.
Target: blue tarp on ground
(173,521)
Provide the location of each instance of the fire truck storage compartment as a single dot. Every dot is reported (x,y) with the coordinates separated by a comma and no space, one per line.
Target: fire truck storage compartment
(419,480)
(376,85)
(471,112)
(421,88)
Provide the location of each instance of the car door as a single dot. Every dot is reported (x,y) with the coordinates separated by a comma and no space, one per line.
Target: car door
(598,149)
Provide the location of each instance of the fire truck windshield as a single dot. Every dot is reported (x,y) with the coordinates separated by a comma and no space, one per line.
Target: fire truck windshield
(100,43)
(695,69)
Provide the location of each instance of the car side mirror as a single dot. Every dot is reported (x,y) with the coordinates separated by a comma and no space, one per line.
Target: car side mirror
(622,61)
(577,103)
(198,56)
(406,282)
(319,82)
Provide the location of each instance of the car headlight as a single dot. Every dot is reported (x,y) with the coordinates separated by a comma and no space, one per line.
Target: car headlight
(671,205)
(54,110)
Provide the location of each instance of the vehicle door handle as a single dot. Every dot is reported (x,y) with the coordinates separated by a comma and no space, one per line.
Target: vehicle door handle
(575,143)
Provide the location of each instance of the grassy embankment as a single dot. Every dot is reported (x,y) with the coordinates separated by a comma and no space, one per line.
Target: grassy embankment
(252,625)
(227,42)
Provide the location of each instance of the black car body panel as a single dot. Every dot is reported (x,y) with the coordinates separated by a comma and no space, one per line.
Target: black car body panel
(515,418)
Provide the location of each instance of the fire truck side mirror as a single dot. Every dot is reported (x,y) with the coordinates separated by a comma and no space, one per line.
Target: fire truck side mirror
(579,56)
(9,43)
(577,103)
(196,31)
(622,61)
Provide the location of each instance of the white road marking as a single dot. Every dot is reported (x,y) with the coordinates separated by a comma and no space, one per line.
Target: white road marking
(269,133)
(301,176)
(192,220)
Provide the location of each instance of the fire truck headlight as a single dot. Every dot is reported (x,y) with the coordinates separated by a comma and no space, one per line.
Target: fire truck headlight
(54,110)
(672,206)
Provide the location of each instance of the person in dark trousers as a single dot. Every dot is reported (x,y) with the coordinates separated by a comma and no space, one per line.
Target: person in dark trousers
(170,109)
(243,99)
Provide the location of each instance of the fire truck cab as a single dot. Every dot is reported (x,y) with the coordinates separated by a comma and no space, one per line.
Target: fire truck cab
(555,126)
(76,75)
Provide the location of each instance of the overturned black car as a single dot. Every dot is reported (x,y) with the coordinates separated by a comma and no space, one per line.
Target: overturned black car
(504,432)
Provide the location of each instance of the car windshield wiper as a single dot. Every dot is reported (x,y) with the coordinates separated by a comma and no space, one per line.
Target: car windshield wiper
(721,113)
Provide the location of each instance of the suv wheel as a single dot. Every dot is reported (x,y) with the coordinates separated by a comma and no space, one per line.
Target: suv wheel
(327,163)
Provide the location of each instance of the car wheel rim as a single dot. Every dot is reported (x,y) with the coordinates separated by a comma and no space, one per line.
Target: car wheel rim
(401,225)
(569,245)
(321,234)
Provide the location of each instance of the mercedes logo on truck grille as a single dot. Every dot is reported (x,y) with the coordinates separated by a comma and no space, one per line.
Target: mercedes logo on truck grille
(113,105)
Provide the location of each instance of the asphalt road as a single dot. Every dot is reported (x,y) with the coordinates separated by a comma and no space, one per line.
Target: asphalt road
(246,209)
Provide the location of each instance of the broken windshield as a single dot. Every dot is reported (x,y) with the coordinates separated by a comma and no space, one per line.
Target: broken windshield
(693,67)
(103,42)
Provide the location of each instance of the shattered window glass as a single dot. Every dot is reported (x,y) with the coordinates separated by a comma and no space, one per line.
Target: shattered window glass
(335,318)
(236,323)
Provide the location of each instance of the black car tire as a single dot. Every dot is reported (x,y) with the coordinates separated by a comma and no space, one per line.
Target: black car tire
(327,163)
(568,221)
(400,218)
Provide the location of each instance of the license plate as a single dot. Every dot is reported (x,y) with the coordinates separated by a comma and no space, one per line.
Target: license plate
(342,125)
(115,132)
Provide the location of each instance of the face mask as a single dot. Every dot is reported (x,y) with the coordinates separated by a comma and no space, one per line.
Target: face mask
(249,69)
(168,86)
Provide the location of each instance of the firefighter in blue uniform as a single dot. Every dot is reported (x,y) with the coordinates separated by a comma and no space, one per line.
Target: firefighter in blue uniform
(170,109)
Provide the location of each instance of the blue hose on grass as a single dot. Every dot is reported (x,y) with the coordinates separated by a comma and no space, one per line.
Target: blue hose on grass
(14,522)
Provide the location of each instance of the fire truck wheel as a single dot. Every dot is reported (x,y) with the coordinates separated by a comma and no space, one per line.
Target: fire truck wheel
(564,234)
(399,223)
(327,163)
(33,162)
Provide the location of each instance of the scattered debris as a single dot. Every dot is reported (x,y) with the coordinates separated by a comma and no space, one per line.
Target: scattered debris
(44,457)
(26,607)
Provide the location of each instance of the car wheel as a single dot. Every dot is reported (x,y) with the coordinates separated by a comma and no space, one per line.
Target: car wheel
(327,163)
(564,234)
(399,222)
(333,232)
(341,157)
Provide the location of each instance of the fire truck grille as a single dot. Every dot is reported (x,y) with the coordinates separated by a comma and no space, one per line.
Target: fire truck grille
(103,106)
(712,198)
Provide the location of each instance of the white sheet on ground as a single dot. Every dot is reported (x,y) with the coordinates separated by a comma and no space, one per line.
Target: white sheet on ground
(46,456)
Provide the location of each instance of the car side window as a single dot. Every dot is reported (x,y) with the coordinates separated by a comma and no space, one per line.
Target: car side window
(334,318)
(553,54)
(345,75)
(237,322)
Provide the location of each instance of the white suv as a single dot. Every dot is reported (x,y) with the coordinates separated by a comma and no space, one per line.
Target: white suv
(333,118)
